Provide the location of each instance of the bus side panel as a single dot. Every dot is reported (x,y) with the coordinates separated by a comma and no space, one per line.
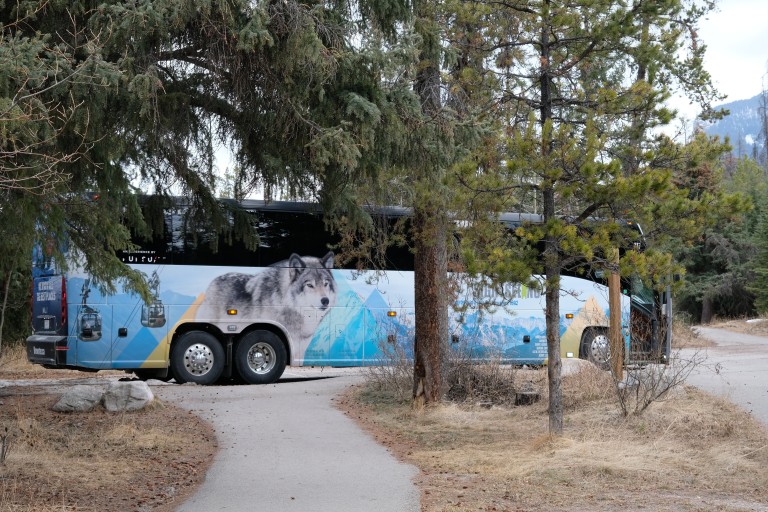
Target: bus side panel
(369,318)
(90,320)
(368,322)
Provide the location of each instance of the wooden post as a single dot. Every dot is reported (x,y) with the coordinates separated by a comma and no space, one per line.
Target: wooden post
(615,331)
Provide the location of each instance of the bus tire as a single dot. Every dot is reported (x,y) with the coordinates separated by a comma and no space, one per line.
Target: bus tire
(260,357)
(197,357)
(596,347)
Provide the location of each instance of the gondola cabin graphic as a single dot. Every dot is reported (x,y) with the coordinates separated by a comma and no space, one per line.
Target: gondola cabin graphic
(153,314)
(88,318)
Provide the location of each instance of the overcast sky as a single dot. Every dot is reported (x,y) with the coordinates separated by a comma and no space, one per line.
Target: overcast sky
(736,35)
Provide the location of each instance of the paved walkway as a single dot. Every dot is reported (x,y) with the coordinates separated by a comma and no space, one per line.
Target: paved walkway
(285,448)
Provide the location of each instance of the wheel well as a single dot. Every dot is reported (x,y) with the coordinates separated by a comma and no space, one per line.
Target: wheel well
(185,328)
(597,329)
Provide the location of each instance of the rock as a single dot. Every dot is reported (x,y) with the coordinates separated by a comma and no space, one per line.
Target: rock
(127,396)
(79,398)
(572,366)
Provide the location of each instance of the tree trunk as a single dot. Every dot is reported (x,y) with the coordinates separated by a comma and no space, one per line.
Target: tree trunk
(4,307)
(551,248)
(552,313)
(431,290)
(430,226)
(706,310)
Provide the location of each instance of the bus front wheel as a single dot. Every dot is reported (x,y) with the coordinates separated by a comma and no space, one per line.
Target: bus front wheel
(596,348)
(260,357)
(197,357)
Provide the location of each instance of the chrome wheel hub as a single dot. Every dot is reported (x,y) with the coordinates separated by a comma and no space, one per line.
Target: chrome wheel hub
(198,359)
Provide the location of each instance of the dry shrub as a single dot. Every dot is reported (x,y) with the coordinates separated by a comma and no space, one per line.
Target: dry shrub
(487,382)
(589,384)
(393,378)
(13,359)
(684,335)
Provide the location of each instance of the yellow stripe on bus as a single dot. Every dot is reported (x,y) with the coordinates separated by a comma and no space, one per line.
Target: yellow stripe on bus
(162,351)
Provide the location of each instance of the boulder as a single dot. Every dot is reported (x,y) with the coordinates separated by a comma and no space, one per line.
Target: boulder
(79,398)
(119,396)
(572,366)
(127,396)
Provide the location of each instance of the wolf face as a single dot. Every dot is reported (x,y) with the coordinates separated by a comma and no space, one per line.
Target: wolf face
(295,293)
(299,282)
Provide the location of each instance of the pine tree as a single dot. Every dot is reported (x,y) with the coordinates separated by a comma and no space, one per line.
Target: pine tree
(581,89)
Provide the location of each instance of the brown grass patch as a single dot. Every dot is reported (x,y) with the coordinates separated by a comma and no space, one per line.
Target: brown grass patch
(753,326)
(689,452)
(14,365)
(148,460)
(98,460)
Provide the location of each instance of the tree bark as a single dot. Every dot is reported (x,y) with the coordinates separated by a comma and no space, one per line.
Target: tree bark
(430,226)
(431,290)
(552,262)
(4,306)
(706,310)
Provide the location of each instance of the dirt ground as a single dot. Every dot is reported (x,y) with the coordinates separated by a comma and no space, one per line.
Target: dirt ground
(688,453)
(149,460)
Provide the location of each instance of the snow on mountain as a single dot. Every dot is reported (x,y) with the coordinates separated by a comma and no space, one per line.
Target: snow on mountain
(741,126)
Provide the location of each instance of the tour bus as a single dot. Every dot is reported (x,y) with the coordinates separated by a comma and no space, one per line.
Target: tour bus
(245,313)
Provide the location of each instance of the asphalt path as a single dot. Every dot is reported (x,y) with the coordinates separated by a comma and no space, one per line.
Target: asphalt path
(736,368)
(284,447)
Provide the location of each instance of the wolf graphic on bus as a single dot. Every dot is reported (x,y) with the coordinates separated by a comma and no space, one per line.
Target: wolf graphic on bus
(297,293)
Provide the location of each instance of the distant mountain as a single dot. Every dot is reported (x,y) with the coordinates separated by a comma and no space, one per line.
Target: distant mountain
(742,126)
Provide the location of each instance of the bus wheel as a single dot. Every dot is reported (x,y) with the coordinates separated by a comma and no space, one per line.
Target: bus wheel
(260,357)
(596,348)
(197,357)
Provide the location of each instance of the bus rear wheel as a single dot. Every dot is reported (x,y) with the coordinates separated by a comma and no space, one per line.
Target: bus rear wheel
(260,357)
(197,357)
(596,347)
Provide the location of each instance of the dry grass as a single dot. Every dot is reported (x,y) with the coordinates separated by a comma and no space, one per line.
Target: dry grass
(690,452)
(95,461)
(14,365)
(684,335)
(753,326)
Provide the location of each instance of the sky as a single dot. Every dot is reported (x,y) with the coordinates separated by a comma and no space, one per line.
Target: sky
(736,35)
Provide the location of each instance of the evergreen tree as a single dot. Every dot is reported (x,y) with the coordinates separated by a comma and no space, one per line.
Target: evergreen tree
(581,88)
(759,286)
(111,97)
(717,263)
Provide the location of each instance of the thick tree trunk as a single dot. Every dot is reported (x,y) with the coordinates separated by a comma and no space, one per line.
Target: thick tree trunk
(431,293)
(430,224)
